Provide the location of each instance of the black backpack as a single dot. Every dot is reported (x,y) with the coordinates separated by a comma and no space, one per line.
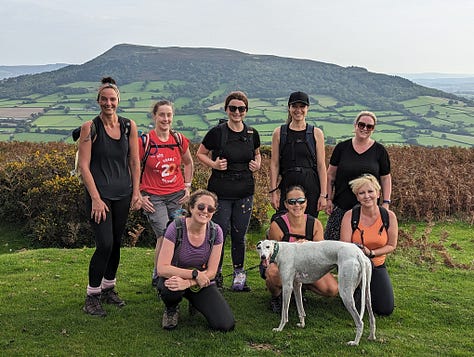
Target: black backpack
(224,129)
(148,145)
(356,217)
(286,233)
(309,140)
(179,237)
(76,133)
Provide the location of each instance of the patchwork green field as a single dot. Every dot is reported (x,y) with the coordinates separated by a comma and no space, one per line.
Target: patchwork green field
(427,121)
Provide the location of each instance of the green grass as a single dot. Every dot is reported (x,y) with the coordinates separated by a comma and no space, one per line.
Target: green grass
(42,293)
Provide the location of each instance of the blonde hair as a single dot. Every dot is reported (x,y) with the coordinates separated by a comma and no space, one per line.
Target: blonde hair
(365,179)
(365,113)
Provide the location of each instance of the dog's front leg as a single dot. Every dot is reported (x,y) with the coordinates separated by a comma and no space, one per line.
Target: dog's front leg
(286,296)
(299,302)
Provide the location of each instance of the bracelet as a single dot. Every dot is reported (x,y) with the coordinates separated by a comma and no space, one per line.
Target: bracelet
(387,201)
(187,184)
(371,254)
(271,191)
(324,196)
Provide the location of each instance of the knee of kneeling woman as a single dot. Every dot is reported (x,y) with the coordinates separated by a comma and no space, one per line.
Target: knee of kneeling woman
(225,326)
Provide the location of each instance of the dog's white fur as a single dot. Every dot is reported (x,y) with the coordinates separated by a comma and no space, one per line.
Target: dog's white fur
(304,263)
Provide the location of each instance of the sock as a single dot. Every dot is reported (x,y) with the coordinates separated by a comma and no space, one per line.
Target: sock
(93,291)
(107,284)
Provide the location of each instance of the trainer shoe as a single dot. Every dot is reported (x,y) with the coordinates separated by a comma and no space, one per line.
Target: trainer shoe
(275,304)
(110,296)
(170,318)
(93,306)
(219,279)
(240,281)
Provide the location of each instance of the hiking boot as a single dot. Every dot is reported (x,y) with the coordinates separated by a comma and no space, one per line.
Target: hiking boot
(240,281)
(170,318)
(110,296)
(219,279)
(275,304)
(93,307)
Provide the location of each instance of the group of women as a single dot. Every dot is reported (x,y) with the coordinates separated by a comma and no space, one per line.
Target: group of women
(189,249)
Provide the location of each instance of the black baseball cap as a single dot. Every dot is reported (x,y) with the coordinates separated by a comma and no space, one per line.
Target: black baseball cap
(298,97)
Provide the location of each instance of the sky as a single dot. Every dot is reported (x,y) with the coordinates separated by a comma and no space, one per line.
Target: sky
(383,36)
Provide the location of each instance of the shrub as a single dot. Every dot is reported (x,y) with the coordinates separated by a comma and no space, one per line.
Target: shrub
(37,190)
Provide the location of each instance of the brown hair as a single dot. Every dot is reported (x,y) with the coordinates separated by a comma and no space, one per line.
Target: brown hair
(236,95)
(108,82)
(195,196)
(160,103)
(363,114)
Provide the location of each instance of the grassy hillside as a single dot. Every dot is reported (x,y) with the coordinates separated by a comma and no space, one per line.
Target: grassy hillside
(198,79)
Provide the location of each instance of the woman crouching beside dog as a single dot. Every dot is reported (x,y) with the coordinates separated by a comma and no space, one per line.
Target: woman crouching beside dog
(188,268)
(295,226)
(376,241)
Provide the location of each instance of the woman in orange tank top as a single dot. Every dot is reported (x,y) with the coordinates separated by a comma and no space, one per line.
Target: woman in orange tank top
(376,241)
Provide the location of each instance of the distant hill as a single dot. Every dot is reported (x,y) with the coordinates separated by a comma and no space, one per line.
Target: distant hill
(207,69)
(15,71)
(47,106)
(459,84)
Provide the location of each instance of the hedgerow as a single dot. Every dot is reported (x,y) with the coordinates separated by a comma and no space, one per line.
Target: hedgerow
(38,193)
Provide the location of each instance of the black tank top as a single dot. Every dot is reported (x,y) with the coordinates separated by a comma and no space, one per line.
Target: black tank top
(109,163)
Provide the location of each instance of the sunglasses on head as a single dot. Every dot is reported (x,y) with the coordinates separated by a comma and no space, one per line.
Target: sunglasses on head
(202,207)
(294,201)
(362,126)
(234,108)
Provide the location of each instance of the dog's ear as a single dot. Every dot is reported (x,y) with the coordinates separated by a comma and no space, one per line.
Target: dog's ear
(259,244)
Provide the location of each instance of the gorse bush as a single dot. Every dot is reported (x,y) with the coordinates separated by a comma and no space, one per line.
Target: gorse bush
(38,193)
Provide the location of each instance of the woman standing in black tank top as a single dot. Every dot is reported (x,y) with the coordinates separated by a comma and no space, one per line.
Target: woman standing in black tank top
(110,169)
(297,164)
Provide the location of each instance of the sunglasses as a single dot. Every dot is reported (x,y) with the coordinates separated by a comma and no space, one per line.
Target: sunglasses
(202,207)
(362,126)
(294,201)
(241,109)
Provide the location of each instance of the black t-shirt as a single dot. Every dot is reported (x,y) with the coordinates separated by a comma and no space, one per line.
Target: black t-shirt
(351,165)
(237,181)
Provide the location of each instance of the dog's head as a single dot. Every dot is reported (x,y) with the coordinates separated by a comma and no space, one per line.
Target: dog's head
(265,249)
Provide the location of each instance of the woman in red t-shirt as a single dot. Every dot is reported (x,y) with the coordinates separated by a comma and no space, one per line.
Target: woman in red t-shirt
(163,186)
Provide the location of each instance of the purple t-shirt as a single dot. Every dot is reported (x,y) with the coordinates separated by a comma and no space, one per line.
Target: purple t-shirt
(190,256)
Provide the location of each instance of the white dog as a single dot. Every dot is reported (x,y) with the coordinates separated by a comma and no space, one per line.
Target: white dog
(304,263)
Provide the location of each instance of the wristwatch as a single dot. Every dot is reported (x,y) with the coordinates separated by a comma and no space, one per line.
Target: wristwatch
(195,273)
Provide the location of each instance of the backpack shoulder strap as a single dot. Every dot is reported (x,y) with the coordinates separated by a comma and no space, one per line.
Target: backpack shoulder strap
(355,217)
(385,219)
(224,129)
(178,137)
(309,227)
(283,136)
(145,138)
(310,141)
(284,228)
(126,124)
(179,238)
(212,233)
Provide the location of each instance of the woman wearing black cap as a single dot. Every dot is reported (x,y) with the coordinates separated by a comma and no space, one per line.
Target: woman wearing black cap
(298,157)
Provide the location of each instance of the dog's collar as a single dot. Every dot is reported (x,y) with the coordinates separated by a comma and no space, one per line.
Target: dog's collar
(275,252)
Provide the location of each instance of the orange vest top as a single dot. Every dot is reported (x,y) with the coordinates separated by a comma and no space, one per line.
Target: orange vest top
(372,239)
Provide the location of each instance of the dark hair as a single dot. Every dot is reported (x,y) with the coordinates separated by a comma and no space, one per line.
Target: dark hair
(195,196)
(295,188)
(108,82)
(236,95)
(160,103)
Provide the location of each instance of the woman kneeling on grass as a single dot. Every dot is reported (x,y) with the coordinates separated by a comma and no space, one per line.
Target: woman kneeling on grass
(295,226)
(375,239)
(187,269)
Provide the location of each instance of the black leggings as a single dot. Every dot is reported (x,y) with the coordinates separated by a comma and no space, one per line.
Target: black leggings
(108,238)
(208,301)
(381,291)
